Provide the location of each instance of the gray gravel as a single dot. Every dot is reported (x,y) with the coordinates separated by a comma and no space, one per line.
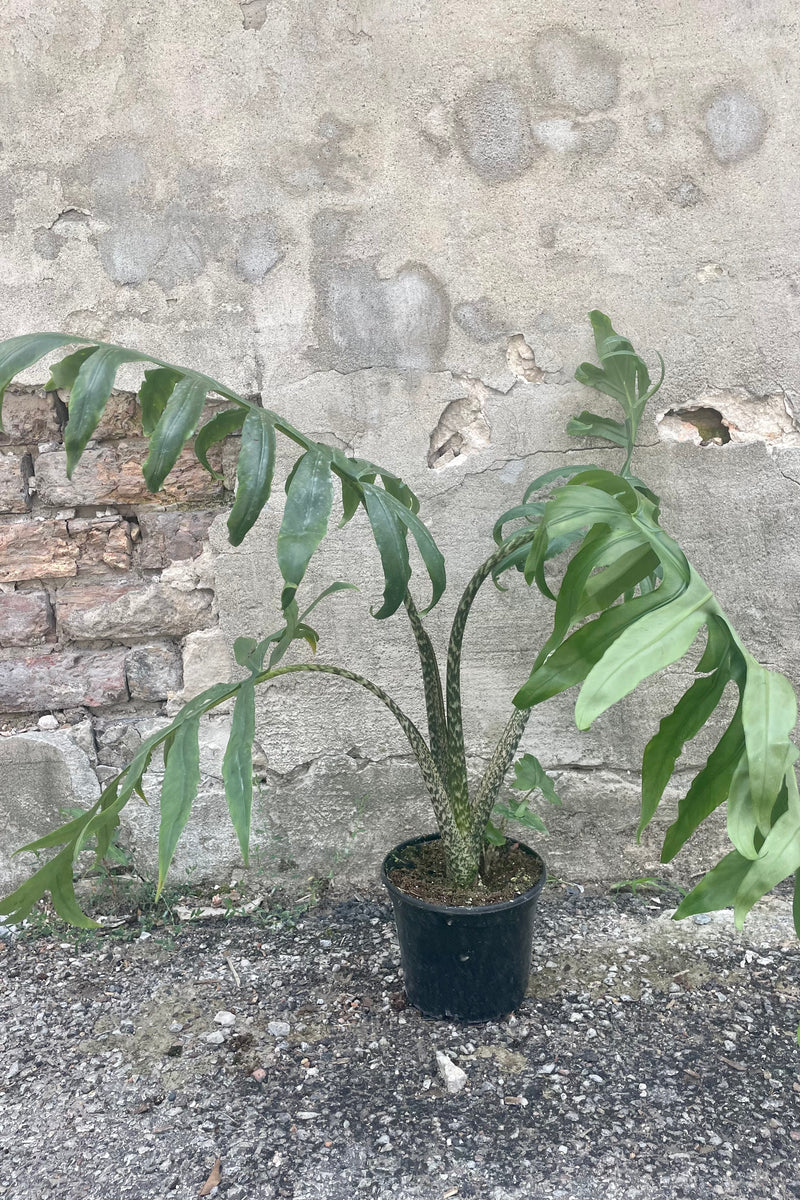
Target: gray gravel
(650,1060)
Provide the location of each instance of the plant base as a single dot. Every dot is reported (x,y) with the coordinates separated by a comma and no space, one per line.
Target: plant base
(463,963)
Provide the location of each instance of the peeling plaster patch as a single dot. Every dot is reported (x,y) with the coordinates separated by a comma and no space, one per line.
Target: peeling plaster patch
(259,251)
(734,415)
(565,136)
(131,249)
(254,13)
(711,273)
(522,360)
(735,125)
(493,126)
(576,72)
(363,320)
(479,320)
(686,193)
(463,428)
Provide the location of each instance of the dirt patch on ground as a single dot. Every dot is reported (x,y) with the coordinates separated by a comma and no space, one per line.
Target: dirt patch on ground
(649,1061)
(506,872)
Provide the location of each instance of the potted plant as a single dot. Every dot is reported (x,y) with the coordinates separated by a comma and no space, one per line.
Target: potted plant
(626,604)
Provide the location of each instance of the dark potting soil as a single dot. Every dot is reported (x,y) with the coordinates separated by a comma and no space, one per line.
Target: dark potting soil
(506,872)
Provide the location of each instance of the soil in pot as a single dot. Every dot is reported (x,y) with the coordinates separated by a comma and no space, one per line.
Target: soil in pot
(506,872)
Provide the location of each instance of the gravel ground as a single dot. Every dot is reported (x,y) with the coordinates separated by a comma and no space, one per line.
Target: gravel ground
(649,1060)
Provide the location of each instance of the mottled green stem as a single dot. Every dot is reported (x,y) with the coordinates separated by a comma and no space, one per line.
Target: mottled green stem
(451,837)
(456,757)
(495,773)
(432,683)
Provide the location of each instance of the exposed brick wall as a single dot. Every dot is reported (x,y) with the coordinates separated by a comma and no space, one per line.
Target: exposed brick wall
(88,627)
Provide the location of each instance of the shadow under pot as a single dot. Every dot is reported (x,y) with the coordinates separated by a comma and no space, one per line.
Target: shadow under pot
(463,963)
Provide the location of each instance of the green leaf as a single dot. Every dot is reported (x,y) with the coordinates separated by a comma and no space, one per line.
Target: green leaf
(351,498)
(719,641)
(684,723)
(590,425)
(89,395)
(237,765)
(796,902)
(741,822)
(229,421)
(521,814)
(331,590)
(64,373)
(769,713)
(390,538)
(157,387)
(430,553)
(254,471)
(717,889)
(654,642)
(176,424)
(634,567)
(19,353)
(305,518)
(543,481)
(181,781)
(531,775)
(493,836)
(709,788)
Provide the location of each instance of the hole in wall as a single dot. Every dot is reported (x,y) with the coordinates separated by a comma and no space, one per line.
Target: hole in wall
(703,426)
(462,428)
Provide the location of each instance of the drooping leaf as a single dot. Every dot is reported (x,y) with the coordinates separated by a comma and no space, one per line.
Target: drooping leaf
(156,389)
(717,889)
(351,499)
(390,537)
(309,499)
(769,713)
(178,790)
(222,425)
(254,471)
(176,424)
(64,373)
(709,788)
(543,481)
(89,395)
(590,425)
(741,822)
(237,765)
(430,553)
(649,645)
(632,568)
(684,723)
(19,353)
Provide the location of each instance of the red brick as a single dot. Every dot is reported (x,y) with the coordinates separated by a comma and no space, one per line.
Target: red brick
(112,474)
(102,542)
(25,618)
(36,550)
(12,484)
(29,418)
(123,611)
(63,679)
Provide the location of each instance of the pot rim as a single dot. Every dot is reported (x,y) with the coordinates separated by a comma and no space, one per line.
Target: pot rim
(461,909)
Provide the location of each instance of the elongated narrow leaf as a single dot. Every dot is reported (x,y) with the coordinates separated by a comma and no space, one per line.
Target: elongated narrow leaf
(178,790)
(331,590)
(529,512)
(740,816)
(429,552)
(19,353)
(769,712)
(709,788)
(574,658)
(254,472)
(590,425)
(600,548)
(154,393)
(684,723)
(779,857)
(543,481)
(630,569)
(64,373)
(390,538)
(717,889)
(351,499)
(646,647)
(717,646)
(237,765)
(177,423)
(89,395)
(229,421)
(305,518)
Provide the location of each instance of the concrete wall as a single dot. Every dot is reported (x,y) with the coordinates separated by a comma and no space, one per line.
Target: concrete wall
(391,219)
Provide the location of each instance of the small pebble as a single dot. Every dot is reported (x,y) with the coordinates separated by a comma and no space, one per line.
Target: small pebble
(702,918)
(48,721)
(278,1028)
(225,1018)
(216,1038)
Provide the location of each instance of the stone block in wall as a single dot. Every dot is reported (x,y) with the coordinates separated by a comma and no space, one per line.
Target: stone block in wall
(128,610)
(207,659)
(26,618)
(112,474)
(154,672)
(102,542)
(63,679)
(36,550)
(168,537)
(13,490)
(29,418)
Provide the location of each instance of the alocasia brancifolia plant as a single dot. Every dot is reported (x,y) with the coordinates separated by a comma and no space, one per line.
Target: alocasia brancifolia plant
(626,604)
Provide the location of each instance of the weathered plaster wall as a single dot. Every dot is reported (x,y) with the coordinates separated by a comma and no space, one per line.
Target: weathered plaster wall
(391,220)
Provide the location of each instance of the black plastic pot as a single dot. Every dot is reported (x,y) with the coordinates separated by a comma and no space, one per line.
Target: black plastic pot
(463,964)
